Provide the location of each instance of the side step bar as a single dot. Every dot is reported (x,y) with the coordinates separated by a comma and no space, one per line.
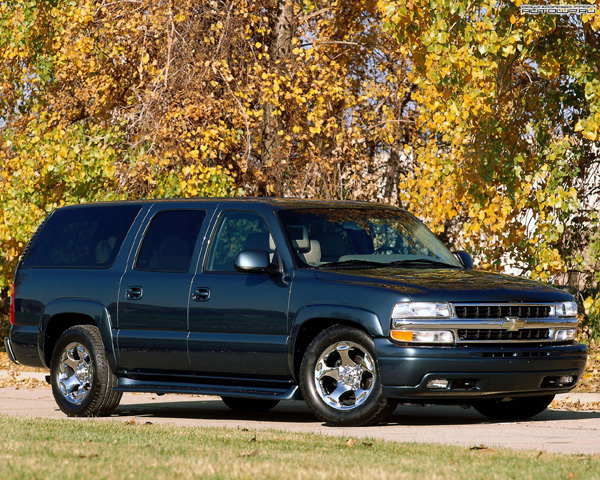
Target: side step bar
(130,385)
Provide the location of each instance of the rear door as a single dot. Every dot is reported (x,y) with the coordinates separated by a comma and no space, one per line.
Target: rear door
(155,291)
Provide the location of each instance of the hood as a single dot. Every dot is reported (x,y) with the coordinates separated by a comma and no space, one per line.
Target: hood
(450,285)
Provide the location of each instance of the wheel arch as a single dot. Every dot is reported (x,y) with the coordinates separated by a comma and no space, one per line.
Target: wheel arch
(313,319)
(62,314)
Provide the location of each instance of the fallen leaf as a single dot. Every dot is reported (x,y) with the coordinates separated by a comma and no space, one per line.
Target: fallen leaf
(254,453)
(480,447)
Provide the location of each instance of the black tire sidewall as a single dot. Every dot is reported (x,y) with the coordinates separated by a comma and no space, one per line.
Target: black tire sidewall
(360,415)
(80,334)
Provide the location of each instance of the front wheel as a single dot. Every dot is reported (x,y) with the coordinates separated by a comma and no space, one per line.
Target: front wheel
(82,382)
(513,408)
(339,379)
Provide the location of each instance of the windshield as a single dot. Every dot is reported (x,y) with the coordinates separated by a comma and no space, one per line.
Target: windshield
(330,237)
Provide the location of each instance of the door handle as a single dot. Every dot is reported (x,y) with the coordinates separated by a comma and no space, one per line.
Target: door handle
(201,294)
(134,293)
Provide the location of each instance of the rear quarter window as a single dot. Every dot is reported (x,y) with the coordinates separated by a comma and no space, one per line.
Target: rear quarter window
(81,237)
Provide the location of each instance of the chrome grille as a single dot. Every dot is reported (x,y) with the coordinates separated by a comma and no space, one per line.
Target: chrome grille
(477,335)
(501,311)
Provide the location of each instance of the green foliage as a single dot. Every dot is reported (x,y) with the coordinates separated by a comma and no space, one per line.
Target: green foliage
(43,168)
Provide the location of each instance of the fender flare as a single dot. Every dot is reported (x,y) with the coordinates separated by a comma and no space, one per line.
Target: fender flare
(356,315)
(80,306)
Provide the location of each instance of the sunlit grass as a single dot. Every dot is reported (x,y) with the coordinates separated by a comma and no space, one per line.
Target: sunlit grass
(48,449)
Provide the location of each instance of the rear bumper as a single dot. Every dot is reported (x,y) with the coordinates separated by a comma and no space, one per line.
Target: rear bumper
(9,350)
(24,345)
(490,371)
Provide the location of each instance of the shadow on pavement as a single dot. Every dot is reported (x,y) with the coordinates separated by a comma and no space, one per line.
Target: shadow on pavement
(298,412)
(293,412)
(455,415)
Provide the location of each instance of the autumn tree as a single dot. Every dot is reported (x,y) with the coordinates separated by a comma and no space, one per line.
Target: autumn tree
(507,131)
(105,100)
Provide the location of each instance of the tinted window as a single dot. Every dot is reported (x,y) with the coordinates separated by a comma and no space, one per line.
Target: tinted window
(169,243)
(81,237)
(238,231)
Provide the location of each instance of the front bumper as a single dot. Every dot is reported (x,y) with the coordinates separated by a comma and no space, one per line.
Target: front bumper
(475,371)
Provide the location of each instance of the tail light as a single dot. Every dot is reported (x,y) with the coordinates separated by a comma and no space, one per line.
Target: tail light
(12,305)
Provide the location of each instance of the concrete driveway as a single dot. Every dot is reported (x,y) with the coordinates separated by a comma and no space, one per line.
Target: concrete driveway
(552,431)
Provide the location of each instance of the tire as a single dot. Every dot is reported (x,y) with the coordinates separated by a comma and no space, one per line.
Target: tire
(513,409)
(238,404)
(82,382)
(339,379)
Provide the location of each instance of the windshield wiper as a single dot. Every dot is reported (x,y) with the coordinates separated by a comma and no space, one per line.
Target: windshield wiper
(353,264)
(420,262)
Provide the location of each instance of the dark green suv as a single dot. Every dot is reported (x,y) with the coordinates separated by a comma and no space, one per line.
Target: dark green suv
(349,306)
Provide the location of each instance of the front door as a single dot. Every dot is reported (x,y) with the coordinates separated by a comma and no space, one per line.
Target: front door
(238,321)
(154,294)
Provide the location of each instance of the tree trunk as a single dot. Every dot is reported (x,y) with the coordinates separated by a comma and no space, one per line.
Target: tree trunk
(279,51)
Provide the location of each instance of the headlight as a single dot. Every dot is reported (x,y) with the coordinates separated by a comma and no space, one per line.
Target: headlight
(423,336)
(566,309)
(422,310)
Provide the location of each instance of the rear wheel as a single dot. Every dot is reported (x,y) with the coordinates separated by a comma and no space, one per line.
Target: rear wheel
(82,382)
(513,408)
(249,404)
(339,379)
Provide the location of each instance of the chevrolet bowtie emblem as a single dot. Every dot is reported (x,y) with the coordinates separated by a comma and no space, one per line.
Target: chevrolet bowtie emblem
(513,323)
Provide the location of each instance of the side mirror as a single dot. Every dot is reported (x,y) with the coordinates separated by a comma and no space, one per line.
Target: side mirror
(254,261)
(464,258)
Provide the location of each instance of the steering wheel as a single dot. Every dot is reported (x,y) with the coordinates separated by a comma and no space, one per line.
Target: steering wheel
(381,250)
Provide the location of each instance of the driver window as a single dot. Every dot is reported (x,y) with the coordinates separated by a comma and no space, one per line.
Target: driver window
(238,231)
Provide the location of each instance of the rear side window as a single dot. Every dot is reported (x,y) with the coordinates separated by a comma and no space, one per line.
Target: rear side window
(81,237)
(169,242)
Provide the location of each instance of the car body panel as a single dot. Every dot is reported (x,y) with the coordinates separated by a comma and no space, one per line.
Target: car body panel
(245,338)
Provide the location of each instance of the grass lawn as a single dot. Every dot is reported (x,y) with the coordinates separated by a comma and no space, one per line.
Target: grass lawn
(89,449)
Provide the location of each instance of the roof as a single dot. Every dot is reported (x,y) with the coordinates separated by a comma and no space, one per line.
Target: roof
(280,203)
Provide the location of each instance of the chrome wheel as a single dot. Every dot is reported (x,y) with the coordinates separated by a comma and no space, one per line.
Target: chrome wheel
(345,375)
(75,373)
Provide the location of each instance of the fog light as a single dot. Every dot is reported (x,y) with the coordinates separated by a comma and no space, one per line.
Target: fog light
(564,381)
(438,384)
(559,382)
(565,335)
(423,336)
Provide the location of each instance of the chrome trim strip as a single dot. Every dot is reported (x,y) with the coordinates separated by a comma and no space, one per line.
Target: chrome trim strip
(9,351)
(482,323)
(491,304)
